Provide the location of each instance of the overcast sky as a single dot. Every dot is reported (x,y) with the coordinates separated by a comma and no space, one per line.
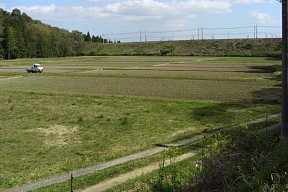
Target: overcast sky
(128,16)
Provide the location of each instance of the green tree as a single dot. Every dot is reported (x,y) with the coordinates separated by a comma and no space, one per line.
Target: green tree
(42,45)
(78,42)
(20,52)
(88,37)
(1,33)
(21,36)
(10,43)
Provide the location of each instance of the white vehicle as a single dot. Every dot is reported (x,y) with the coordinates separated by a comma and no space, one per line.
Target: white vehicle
(36,68)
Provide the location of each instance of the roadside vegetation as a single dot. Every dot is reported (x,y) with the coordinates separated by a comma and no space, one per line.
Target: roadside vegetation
(238,160)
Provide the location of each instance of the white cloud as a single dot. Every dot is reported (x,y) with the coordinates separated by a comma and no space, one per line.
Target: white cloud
(156,11)
(251,1)
(2,6)
(248,1)
(132,10)
(96,1)
(263,18)
(136,8)
(40,10)
(205,6)
(52,12)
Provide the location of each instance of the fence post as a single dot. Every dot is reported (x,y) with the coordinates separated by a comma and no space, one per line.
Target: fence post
(71,183)
(266,122)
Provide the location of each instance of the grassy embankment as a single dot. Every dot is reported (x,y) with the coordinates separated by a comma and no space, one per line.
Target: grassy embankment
(228,47)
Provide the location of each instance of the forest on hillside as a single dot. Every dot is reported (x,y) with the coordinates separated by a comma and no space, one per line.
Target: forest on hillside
(23,37)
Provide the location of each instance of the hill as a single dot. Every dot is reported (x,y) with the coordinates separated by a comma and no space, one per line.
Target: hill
(228,47)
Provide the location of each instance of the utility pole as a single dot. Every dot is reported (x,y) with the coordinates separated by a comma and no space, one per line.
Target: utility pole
(255,32)
(284,119)
(202,33)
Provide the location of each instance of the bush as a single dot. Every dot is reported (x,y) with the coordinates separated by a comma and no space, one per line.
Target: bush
(245,161)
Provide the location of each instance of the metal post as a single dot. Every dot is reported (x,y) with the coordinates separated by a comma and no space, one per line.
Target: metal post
(266,123)
(284,120)
(71,182)
(202,33)
(256,31)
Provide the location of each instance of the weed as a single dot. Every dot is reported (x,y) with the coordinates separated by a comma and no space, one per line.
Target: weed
(244,161)
(123,120)
(169,178)
(100,116)
(80,119)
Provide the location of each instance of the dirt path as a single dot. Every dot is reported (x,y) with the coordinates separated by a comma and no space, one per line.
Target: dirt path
(10,78)
(136,173)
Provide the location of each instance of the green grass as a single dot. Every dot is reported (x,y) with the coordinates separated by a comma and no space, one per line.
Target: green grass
(202,78)
(47,134)
(215,68)
(62,120)
(142,87)
(194,68)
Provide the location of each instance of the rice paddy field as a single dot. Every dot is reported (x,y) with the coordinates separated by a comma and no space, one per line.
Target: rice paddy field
(82,111)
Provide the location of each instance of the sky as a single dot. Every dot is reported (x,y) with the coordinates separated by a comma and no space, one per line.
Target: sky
(139,20)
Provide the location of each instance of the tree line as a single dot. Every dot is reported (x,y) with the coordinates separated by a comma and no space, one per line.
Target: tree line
(23,37)
(96,39)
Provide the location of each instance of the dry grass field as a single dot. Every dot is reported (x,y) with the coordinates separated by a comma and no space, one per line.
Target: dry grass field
(85,110)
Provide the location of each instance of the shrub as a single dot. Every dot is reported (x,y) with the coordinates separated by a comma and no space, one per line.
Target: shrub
(245,161)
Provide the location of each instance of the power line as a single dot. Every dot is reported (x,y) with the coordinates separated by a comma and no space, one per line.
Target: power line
(275,27)
(176,31)
(128,33)
(199,33)
(229,28)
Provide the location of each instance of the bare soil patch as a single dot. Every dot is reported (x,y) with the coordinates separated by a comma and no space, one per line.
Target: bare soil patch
(57,135)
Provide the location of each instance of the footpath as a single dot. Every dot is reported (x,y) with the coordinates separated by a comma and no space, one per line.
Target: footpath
(147,153)
(133,174)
